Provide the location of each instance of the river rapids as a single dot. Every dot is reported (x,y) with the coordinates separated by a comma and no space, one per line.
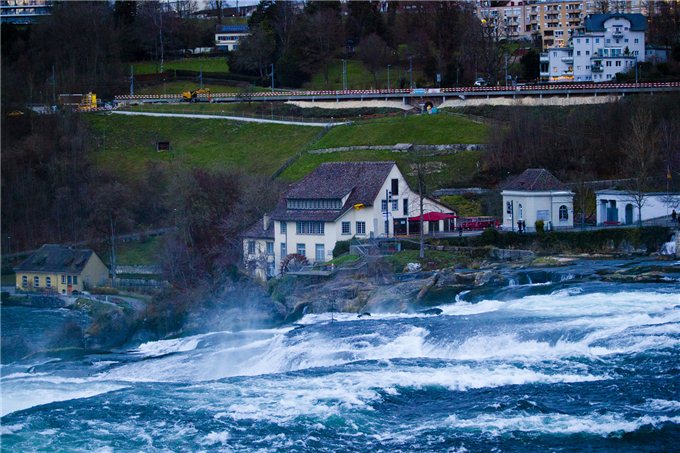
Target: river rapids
(564,364)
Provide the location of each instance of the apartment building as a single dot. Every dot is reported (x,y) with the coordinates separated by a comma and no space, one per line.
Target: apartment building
(549,22)
(607,44)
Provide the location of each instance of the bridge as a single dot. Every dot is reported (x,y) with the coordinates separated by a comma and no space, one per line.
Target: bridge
(434,96)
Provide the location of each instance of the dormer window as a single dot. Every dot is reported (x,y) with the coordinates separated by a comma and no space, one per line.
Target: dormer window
(318,203)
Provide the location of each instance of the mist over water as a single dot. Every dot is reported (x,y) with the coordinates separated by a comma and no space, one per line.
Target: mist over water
(564,363)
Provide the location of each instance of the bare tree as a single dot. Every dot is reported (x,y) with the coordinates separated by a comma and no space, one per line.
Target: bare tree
(641,157)
(375,54)
(217,5)
(323,33)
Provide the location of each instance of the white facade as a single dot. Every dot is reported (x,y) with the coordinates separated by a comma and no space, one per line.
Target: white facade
(362,221)
(258,256)
(597,56)
(617,207)
(555,208)
(228,37)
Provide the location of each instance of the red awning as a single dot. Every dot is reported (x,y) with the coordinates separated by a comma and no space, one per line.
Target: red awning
(432,217)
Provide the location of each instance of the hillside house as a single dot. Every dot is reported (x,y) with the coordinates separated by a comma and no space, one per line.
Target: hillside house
(537,195)
(61,269)
(228,37)
(339,201)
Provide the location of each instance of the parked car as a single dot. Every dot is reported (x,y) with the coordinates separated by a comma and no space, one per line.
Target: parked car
(481,82)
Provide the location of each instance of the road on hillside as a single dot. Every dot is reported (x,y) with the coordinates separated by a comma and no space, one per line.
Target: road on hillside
(231,118)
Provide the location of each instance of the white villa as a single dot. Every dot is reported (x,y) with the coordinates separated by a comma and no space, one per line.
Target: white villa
(339,201)
(608,44)
(537,195)
(618,207)
(228,37)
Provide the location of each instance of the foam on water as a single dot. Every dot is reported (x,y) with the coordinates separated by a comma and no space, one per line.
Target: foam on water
(601,425)
(279,401)
(23,394)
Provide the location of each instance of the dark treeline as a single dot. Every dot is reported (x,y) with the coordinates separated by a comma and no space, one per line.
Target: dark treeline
(437,37)
(84,46)
(52,192)
(583,141)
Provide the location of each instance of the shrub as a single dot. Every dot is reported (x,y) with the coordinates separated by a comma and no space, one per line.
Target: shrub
(341,247)
(540,226)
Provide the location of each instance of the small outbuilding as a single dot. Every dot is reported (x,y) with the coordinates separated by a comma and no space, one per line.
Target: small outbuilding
(536,195)
(619,207)
(61,269)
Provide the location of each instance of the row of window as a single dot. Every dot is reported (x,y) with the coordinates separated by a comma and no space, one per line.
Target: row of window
(394,206)
(65,279)
(269,248)
(314,204)
(608,40)
(360,228)
(227,38)
(319,251)
(310,228)
(563,211)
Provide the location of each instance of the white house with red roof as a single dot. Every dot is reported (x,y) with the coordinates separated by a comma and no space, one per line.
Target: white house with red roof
(343,200)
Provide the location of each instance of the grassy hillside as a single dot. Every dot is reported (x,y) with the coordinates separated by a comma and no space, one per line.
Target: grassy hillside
(210,64)
(125,143)
(443,171)
(420,129)
(358,77)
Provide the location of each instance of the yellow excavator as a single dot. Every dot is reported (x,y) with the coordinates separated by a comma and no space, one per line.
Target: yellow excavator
(192,96)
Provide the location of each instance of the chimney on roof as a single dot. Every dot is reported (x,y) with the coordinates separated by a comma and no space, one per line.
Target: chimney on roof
(265,222)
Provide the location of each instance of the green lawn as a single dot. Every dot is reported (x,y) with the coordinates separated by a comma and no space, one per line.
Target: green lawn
(358,77)
(420,129)
(179,86)
(452,170)
(136,252)
(196,108)
(209,64)
(125,143)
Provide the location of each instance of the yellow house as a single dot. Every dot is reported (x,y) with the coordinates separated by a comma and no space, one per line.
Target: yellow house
(61,269)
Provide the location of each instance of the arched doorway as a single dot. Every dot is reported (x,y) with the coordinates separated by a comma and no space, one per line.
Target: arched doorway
(629,214)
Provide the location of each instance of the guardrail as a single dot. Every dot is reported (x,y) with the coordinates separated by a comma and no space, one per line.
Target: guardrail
(573,88)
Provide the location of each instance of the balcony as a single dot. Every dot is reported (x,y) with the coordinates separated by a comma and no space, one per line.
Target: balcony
(617,34)
(568,59)
(545,73)
(545,57)
(597,68)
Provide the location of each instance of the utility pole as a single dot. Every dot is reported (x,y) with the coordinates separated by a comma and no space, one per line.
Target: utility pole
(388,76)
(636,70)
(344,74)
(132,80)
(410,70)
(54,88)
(160,33)
(272,66)
(201,76)
(506,70)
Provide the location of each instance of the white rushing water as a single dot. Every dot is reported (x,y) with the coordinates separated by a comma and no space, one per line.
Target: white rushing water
(566,324)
